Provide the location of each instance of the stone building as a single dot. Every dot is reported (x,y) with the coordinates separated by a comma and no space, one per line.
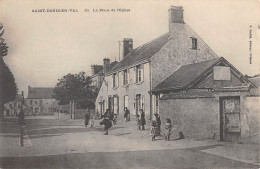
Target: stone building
(13,108)
(99,71)
(210,99)
(41,100)
(130,82)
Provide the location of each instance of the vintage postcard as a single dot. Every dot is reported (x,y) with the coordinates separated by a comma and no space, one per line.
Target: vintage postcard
(129,84)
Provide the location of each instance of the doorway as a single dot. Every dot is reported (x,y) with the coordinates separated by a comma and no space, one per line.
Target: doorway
(230,119)
(138,103)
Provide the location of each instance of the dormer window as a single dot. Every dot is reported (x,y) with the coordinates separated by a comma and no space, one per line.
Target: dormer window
(194,43)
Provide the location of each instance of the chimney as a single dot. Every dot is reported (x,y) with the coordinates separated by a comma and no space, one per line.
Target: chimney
(106,66)
(127,46)
(93,69)
(175,15)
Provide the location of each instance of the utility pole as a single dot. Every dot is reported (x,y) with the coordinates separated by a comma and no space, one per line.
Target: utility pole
(21,122)
(119,43)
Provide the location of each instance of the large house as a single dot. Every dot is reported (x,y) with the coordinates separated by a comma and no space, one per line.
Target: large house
(41,100)
(131,81)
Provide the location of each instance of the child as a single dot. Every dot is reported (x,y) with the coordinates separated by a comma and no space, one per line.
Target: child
(154,130)
(138,121)
(168,129)
(92,121)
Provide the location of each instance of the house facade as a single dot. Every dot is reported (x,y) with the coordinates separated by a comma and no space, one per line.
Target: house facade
(210,99)
(99,71)
(41,100)
(13,108)
(130,82)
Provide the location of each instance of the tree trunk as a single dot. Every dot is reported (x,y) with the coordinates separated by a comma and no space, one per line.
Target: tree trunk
(1,93)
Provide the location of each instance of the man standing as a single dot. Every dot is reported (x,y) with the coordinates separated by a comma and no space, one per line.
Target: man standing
(158,122)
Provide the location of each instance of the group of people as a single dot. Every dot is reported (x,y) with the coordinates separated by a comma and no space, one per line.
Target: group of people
(109,118)
(89,117)
(156,128)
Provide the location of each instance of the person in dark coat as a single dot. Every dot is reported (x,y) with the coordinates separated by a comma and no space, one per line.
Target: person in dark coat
(143,122)
(107,122)
(86,119)
(125,115)
(158,123)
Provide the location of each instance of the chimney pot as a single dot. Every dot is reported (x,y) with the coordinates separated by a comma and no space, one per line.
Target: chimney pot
(127,46)
(106,65)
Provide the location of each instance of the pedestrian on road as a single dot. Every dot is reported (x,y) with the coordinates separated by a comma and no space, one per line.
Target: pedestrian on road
(138,120)
(143,122)
(125,115)
(158,123)
(168,129)
(154,130)
(86,119)
(107,122)
(92,121)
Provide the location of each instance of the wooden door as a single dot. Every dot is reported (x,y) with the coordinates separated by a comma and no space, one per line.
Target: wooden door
(230,119)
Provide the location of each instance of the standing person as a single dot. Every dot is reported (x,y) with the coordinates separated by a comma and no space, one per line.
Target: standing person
(138,120)
(107,122)
(143,122)
(92,121)
(168,129)
(125,114)
(97,114)
(86,119)
(154,130)
(158,122)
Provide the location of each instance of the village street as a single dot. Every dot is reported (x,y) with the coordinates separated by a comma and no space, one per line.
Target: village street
(66,143)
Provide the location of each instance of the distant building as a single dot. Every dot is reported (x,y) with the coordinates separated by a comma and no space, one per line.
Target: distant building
(13,108)
(130,82)
(41,100)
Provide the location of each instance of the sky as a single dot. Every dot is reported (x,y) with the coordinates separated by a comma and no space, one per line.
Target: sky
(44,46)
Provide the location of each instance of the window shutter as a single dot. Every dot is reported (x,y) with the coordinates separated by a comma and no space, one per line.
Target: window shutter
(128,76)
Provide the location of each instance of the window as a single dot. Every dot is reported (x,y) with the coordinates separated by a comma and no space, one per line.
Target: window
(30,102)
(115,80)
(194,43)
(40,102)
(35,102)
(139,73)
(125,77)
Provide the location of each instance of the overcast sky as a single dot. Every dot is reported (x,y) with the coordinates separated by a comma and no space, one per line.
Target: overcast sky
(44,46)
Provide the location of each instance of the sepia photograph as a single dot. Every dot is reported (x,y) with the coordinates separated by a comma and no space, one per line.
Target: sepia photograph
(128,84)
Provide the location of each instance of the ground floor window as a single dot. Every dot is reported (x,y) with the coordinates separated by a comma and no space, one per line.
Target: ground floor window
(116,105)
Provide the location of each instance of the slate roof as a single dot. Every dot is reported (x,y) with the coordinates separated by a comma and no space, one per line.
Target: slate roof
(142,53)
(189,94)
(185,75)
(40,93)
